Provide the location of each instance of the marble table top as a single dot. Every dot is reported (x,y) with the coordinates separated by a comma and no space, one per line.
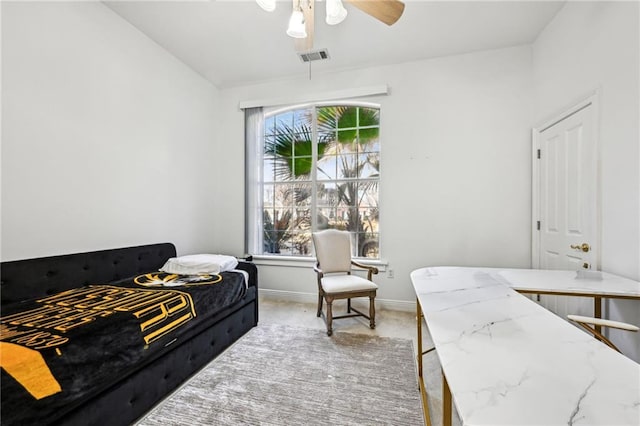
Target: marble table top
(593,283)
(509,361)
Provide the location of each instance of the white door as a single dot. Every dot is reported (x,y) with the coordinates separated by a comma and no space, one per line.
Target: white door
(567,177)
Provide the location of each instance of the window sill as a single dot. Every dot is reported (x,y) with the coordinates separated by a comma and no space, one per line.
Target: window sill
(309,262)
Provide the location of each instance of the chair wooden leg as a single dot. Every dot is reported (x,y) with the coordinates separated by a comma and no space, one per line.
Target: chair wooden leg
(329,317)
(349,305)
(372,312)
(319,304)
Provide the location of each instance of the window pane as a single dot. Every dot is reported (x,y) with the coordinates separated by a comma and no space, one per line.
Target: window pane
(369,218)
(283,195)
(283,248)
(327,168)
(282,218)
(268,170)
(303,194)
(302,144)
(372,145)
(368,194)
(282,242)
(348,117)
(347,136)
(369,134)
(301,166)
(369,117)
(299,243)
(269,125)
(273,234)
(303,219)
(326,216)
(269,145)
(368,165)
(325,137)
(301,117)
(368,246)
(327,119)
(347,194)
(327,196)
(348,166)
(284,121)
(268,196)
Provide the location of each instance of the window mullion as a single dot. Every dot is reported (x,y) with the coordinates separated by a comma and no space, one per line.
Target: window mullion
(314,168)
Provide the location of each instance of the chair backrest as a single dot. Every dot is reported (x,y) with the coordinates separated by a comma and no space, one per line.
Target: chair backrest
(333,250)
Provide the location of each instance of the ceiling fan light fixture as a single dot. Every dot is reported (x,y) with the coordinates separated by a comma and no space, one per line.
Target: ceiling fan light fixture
(335,12)
(296,25)
(268,5)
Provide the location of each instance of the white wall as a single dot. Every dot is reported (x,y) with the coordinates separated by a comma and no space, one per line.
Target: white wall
(107,139)
(596,45)
(455,164)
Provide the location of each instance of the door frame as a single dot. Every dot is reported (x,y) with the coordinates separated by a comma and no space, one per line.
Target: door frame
(593,99)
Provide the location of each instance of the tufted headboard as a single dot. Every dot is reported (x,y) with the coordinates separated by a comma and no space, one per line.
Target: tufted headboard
(26,279)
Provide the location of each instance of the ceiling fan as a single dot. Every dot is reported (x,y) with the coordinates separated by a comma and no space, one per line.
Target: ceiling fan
(301,23)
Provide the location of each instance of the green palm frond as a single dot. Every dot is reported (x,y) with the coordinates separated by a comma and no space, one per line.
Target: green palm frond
(292,149)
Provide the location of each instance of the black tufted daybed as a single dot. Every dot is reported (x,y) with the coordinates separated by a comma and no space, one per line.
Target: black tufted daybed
(103,341)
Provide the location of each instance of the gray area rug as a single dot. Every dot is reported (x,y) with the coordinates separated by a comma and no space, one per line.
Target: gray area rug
(282,375)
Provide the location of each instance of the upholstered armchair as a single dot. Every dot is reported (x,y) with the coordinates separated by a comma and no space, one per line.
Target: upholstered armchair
(335,280)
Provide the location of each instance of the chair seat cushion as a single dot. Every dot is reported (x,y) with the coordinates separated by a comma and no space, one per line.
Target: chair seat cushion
(342,283)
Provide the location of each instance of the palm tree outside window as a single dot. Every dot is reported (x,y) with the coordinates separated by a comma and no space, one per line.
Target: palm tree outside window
(321,170)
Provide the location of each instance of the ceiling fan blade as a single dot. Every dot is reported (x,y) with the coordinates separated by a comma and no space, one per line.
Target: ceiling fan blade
(308,7)
(387,11)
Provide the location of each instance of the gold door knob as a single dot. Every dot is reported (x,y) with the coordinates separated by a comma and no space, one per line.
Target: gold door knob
(584,247)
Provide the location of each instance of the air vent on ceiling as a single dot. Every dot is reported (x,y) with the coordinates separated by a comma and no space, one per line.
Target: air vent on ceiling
(314,55)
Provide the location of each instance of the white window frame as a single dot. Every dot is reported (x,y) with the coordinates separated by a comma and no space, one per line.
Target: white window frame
(254,178)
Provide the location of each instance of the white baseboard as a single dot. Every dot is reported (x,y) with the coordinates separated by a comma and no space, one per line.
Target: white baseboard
(295,296)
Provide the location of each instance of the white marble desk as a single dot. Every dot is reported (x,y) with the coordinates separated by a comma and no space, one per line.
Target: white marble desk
(509,361)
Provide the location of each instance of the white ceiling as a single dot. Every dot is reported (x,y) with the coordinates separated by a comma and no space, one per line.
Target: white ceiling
(235,42)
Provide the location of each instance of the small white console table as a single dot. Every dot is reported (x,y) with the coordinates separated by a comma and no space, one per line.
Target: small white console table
(508,361)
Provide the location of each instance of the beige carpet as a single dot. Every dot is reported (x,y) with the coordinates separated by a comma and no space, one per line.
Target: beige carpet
(283,375)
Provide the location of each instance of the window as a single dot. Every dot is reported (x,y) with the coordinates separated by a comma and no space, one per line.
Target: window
(320,169)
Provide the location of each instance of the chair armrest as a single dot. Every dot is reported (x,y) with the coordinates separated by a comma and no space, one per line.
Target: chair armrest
(373,269)
(316,268)
(370,269)
(603,322)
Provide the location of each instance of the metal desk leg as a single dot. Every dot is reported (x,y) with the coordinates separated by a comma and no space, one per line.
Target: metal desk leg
(446,402)
(423,391)
(597,311)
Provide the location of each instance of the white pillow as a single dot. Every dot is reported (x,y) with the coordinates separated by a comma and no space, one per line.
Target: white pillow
(199,264)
